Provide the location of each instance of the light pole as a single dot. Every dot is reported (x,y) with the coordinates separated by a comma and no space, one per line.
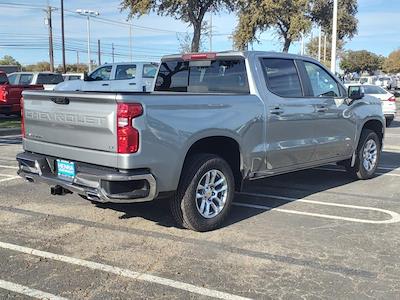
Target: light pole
(334,36)
(88,14)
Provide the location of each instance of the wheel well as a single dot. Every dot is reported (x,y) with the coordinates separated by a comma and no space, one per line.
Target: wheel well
(225,147)
(375,126)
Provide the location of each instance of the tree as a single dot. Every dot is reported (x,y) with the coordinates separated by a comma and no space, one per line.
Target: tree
(312,49)
(189,11)
(38,67)
(322,12)
(360,61)
(392,63)
(73,68)
(289,19)
(9,60)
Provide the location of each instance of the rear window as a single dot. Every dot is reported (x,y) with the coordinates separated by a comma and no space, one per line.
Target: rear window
(216,76)
(3,78)
(371,89)
(49,78)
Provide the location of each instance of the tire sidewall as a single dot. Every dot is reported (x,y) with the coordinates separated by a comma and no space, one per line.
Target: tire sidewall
(361,169)
(191,214)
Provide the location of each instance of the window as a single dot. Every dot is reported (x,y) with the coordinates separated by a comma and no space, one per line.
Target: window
(3,78)
(12,78)
(217,76)
(25,79)
(282,77)
(48,78)
(74,77)
(372,89)
(150,70)
(103,73)
(125,72)
(322,83)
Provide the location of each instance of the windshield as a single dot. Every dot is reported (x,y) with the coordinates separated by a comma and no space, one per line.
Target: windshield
(372,89)
(3,78)
(204,76)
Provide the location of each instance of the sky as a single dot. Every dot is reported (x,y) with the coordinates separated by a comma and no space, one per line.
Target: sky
(24,34)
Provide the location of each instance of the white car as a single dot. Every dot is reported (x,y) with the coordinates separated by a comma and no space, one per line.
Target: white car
(388,100)
(47,79)
(385,82)
(129,77)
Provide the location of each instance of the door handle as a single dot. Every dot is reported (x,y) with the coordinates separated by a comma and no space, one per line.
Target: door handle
(322,109)
(132,83)
(105,84)
(276,111)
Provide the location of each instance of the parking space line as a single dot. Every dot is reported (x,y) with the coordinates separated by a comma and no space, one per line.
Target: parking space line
(8,167)
(342,170)
(9,178)
(395,217)
(123,272)
(24,290)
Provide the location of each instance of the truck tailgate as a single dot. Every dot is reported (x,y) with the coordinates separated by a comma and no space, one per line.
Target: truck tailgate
(72,119)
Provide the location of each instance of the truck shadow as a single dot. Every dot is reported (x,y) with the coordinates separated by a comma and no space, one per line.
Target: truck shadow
(395,124)
(296,185)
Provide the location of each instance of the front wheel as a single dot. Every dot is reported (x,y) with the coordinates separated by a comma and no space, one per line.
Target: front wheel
(205,193)
(367,156)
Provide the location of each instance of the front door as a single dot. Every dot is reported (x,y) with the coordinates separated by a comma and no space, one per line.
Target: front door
(99,80)
(290,125)
(126,79)
(335,128)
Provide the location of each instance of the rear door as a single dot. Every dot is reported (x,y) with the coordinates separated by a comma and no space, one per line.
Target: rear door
(148,75)
(126,78)
(290,126)
(335,129)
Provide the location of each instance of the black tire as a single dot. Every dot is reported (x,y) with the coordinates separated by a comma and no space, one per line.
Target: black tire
(388,122)
(183,204)
(359,171)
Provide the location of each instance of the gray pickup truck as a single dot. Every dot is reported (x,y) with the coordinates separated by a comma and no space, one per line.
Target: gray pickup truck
(213,121)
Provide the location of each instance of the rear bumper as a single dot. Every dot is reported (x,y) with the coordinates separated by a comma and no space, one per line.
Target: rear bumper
(96,183)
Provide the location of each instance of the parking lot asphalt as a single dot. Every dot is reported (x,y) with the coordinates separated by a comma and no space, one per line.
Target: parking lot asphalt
(311,234)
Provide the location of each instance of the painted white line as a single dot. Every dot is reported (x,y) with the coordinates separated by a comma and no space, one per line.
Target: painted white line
(8,167)
(24,290)
(342,170)
(392,149)
(9,179)
(123,272)
(10,136)
(395,217)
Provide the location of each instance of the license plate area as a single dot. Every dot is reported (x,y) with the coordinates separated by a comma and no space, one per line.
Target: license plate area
(65,169)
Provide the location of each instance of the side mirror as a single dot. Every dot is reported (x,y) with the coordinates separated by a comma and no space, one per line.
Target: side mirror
(86,76)
(355,93)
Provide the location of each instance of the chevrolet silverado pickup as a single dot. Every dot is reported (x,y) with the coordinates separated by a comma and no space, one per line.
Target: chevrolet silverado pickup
(213,121)
(10,95)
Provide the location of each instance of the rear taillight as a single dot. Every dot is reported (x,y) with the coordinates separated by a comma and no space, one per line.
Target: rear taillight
(392,99)
(127,135)
(3,94)
(22,117)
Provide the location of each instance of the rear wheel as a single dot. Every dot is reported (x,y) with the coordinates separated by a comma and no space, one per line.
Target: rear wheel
(367,156)
(205,193)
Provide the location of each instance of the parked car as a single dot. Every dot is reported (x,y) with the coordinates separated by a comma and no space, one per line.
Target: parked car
(10,95)
(137,76)
(47,79)
(388,101)
(73,76)
(367,80)
(214,121)
(385,82)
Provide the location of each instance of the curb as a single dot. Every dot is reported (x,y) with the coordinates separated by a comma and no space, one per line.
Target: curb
(10,131)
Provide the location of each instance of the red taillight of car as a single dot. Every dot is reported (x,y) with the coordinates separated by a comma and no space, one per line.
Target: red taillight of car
(3,94)
(22,117)
(392,99)
(127,135)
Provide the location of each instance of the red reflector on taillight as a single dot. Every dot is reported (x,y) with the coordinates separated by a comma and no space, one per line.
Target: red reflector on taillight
(3,94)
(127,135)
(392,99)
(199,56)
(22,117)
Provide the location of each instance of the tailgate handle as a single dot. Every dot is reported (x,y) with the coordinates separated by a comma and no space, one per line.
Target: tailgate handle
(59,100)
